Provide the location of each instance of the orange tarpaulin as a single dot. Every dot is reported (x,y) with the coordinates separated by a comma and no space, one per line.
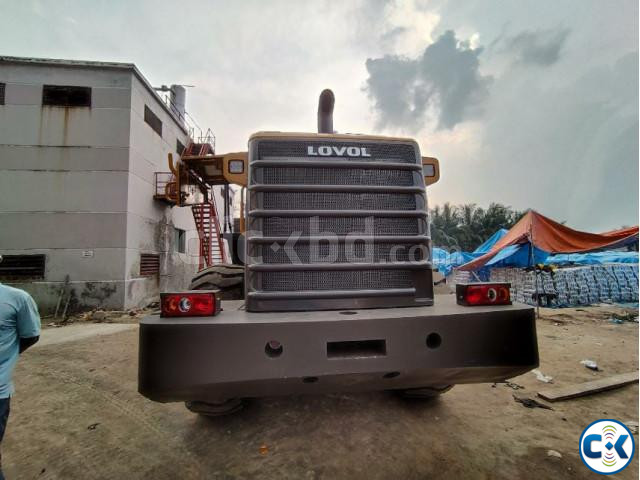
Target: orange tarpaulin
(622,232)
(553,237)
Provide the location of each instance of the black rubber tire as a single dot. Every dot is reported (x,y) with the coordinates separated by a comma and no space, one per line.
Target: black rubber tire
(217,409)
(229,280)
(426,393)
(226,277)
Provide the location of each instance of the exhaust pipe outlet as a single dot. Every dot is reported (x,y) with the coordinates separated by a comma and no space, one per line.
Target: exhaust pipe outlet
(325,111)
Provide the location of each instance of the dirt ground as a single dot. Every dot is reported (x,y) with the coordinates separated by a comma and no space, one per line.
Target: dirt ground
(77,415)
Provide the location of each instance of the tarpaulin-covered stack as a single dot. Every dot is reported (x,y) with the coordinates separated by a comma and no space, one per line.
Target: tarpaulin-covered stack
(605,276)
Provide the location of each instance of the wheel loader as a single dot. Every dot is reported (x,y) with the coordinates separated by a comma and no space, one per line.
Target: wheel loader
(331,289)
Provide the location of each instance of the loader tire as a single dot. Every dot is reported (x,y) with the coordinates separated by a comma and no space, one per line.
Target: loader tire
(227,278)
(217,409)
(425,393)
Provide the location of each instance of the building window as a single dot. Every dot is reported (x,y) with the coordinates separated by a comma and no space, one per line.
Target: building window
(2,88)
(149,264)
(180,240)
(152,120)
(21,267)
(66,96)
(179,147)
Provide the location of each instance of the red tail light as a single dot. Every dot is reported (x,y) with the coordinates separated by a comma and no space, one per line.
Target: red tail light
(483,294)
(189,304)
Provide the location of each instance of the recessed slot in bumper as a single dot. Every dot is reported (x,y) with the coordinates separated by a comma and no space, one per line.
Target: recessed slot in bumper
(357,349)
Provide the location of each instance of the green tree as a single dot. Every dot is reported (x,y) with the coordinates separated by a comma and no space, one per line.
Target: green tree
(464,227)
(444,224)
(471,229)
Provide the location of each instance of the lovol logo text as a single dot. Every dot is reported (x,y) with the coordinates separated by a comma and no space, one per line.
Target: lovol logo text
(334,151)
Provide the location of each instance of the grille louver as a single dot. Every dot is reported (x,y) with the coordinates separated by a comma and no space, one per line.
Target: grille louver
(337,201)
(335,176)
(340,252)
(281,226)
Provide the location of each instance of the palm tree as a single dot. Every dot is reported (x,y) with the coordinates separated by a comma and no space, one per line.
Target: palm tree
(444,225)
(464,227)
(471,228)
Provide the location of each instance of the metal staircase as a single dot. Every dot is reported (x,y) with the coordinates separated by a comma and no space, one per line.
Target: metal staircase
(205,213)
(208,227)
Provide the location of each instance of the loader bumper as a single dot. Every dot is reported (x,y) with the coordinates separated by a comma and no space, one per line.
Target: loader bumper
(230,355)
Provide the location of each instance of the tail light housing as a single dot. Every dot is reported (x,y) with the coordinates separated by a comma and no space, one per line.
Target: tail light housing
(189,304)
(472,294)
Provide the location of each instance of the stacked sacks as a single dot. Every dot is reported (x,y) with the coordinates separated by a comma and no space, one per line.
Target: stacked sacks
(593,291)
(522,282)
(575,286)
(623,282)
(548,287)
(602,281)
(563,282)
(458,276)
(571,287)
(582,284)
(527,287)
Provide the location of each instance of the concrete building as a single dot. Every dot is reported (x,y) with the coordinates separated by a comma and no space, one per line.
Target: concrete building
(80,143)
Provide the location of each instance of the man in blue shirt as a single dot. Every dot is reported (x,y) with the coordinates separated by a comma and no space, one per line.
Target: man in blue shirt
(19,329)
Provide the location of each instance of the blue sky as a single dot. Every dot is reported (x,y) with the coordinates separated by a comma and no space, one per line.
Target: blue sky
(532,104)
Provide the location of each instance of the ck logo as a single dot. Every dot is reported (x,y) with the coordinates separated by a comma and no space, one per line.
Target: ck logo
(607,446)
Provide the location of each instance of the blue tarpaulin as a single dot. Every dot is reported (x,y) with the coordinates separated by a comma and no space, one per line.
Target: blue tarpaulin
(517,256)
(445,261)
(510,256)
(440,259)
(491,241)
(592,258)
(439,256)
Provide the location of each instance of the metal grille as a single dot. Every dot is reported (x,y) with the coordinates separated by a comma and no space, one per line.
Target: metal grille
(16,267)
(354,191)
(338,201)
(324,252)
(149,264)
(335,176)
(336,280)
(395,152)
(283,226)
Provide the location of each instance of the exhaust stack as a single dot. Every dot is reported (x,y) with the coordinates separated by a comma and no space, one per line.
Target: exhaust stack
(325,111)
(177,96)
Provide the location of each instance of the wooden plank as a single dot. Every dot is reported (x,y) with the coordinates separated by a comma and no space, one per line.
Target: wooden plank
(588,388)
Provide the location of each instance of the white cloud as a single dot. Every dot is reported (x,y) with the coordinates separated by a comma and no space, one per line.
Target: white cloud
(408,27)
